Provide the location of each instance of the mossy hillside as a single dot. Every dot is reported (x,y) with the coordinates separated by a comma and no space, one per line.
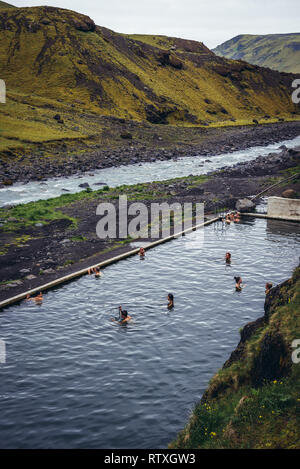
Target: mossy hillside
(55,60)
(277,51)
(238,412)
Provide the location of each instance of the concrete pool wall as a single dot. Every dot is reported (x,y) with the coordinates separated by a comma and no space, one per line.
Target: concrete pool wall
(112,260)
(283,208)
(59,281)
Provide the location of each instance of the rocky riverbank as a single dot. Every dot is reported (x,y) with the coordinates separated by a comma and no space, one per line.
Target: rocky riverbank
(140,143)
(44,240)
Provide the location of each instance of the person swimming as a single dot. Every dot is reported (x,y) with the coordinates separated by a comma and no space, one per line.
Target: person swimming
(170,301)
(142,253)
(38,299)
(238,282)
(268,287)
(123,316)
(228,258)
(227,219)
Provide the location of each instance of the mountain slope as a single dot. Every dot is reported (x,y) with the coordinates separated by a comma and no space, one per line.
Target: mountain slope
(277,51)
(59,64)
(6,5)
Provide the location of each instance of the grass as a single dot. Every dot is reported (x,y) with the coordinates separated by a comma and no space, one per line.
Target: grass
(241,415)
(45,211)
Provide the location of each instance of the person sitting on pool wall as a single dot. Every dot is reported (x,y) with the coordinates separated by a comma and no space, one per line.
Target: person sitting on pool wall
(96,271)
(38,299)
(237,217)
(238,282)
(268,287)
(170,301)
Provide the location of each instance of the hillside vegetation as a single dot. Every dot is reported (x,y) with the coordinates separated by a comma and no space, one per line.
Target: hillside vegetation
(254,401)
(65,76)
(277,51)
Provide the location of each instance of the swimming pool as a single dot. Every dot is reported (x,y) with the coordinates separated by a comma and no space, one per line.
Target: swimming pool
(75,379)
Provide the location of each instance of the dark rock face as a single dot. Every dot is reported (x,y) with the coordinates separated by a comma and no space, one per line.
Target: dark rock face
(84,24)
(271,362)
(126,135)
(278,296)
(156,116)
(247,332)
(166,58)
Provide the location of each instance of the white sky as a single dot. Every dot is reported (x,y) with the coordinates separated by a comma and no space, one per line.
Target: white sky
(208,21)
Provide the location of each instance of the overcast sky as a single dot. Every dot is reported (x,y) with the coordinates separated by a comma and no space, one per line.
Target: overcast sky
(208,21)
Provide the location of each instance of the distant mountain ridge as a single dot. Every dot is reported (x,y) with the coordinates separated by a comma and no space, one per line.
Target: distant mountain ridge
(276,51)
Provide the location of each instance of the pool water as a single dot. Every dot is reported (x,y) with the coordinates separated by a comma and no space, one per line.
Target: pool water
(75,379)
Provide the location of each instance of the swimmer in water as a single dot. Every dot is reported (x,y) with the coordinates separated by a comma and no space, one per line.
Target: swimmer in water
(227,219)
(268,288)
(123,316)
(170,301)
(38,299)
(238,282)
(228,258)
(142,253)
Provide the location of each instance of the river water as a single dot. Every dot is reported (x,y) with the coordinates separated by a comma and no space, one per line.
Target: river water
(75,379)
(134,174)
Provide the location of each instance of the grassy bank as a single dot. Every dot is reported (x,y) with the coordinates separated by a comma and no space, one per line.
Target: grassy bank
(45,211)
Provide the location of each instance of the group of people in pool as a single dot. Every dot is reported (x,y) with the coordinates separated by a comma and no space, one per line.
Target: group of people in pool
(239,280)
(124,317)
(232,216)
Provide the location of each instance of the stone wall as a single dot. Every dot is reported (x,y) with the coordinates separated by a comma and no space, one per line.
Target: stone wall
(279,207)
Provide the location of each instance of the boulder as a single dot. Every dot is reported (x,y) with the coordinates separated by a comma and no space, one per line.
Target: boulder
(30,277)
(84,23)
(48,271)
(244,205)
(289,194)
